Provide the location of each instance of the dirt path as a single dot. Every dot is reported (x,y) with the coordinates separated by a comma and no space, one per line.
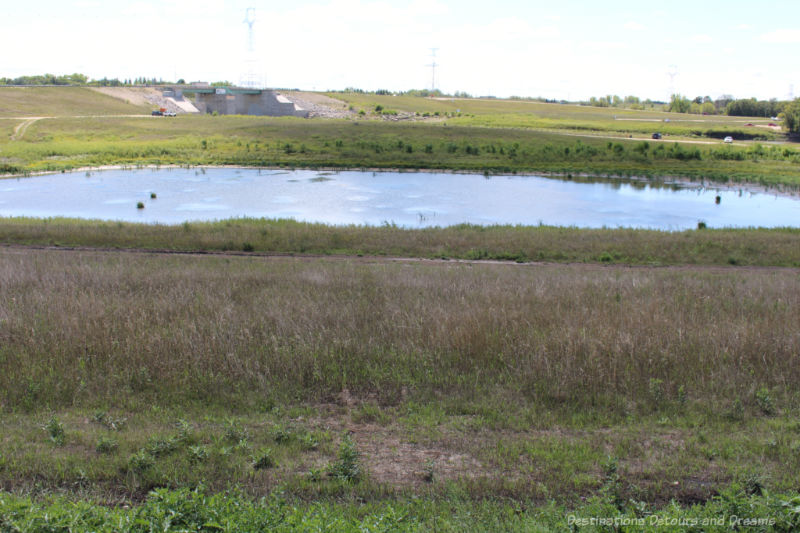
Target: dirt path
(19,131)
(289,256)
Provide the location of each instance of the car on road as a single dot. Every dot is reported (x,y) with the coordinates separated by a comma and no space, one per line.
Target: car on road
(157,113)
(772,125)
(728,139)
(749,124)
(170,114)
(656,136)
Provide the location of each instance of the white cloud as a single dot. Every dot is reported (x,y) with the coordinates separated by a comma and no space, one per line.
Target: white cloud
(633,25)
(701,38)
(743,27)
(782,36)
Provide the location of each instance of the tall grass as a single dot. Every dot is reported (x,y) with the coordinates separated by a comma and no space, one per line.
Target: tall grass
(766,247)
(92,328)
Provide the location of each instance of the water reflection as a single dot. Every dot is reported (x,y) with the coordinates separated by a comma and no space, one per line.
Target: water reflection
(409,199)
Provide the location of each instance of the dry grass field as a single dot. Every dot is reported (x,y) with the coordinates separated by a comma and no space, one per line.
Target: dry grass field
(521,380)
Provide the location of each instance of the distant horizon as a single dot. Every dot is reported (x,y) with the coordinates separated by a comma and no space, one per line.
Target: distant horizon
(351,89)
(559,51)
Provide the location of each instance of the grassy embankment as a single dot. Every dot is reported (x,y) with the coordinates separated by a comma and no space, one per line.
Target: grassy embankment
(565,118)
(362,391)
(755,247)
(61,101)
(121,373)
(516,144)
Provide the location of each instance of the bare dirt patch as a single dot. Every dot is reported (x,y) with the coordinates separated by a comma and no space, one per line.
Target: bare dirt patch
(141,96)
(389,459)
(320,105)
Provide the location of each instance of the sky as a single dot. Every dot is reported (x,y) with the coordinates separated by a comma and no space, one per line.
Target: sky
(564,49)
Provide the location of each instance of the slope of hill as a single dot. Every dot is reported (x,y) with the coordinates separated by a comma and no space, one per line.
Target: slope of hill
(60,101)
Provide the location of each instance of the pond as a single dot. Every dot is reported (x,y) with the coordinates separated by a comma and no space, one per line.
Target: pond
(408,199)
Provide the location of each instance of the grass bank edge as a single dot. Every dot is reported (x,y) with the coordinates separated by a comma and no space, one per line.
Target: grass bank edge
(176,510)
(730,246)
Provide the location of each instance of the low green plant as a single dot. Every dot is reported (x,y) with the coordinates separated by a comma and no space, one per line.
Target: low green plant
(309,441)
(263,459)
(158,446)
(281,434)
(198,454)
(108,421)
(429,471)
(655,388)
(234,431)
(106,445)
(139,205)
(55,430)
(140,462)
(185,432)
(764,401)
(348,466)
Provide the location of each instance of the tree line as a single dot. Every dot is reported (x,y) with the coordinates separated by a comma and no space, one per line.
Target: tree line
(82,79)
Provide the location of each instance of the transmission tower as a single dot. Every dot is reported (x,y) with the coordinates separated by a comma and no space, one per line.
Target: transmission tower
(433,66)
(249,77)
(672,72)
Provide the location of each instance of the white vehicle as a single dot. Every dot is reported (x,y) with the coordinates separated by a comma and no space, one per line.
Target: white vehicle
(728,139)
(170,114)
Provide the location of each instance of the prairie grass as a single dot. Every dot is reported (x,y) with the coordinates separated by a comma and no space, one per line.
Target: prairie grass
(764,247)
(501,380)
(90,328)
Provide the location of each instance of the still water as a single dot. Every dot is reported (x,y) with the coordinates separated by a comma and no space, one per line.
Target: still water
(410,199)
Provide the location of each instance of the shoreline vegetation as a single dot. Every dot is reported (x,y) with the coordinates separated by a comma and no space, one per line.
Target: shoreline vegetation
(481,136)
(779,247)
(653,181)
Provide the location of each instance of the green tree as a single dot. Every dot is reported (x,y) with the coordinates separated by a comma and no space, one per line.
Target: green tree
(679,104)
(791,116)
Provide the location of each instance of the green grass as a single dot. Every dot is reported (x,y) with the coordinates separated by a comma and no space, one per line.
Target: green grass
(196,510)
(537,115)
(491,143)
(725,247)
(61,101)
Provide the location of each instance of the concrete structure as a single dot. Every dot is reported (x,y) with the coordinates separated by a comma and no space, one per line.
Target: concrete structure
(244,101)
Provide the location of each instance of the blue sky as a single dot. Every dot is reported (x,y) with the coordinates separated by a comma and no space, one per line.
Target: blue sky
(567,49)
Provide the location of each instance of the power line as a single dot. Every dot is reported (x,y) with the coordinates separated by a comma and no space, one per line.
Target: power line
(433,66)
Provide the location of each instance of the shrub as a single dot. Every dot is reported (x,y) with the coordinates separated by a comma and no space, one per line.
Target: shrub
(764,401)
(235,432)
(106,445)
(139,205)
(55,429)
(158,446)
(347,468)
(263,459)
(140,461)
